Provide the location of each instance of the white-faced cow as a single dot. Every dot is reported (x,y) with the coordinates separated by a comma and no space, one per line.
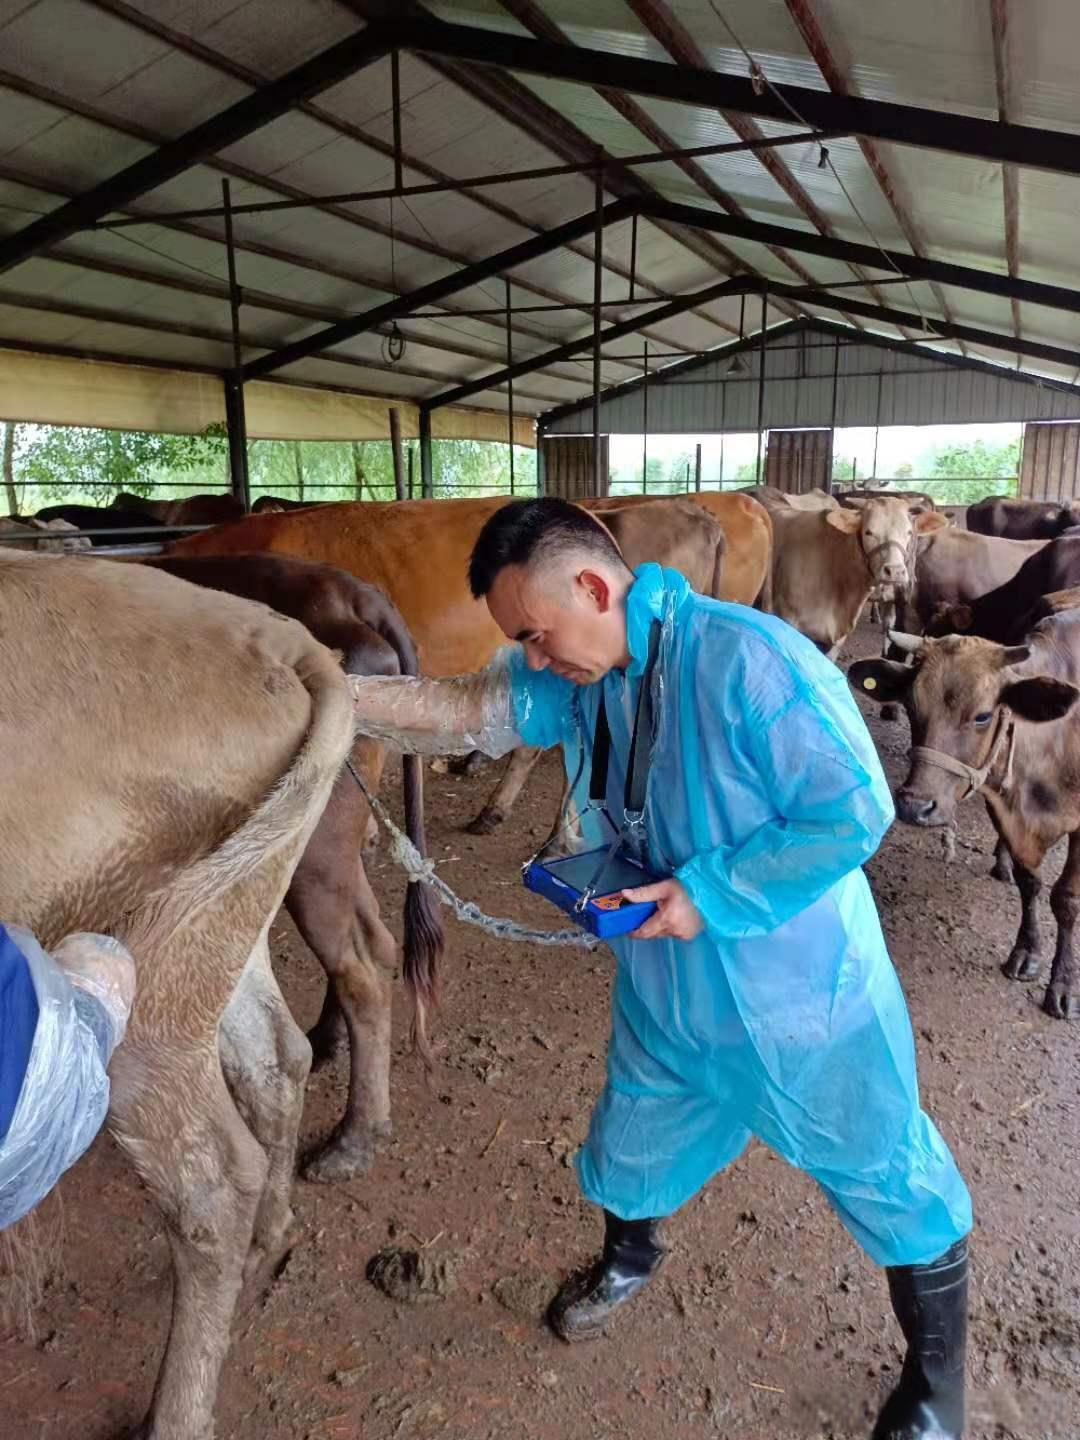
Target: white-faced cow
(1001,722)
(827,563)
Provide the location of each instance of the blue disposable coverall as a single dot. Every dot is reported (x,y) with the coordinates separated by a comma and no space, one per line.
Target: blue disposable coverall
(784,1019)
(55,1042)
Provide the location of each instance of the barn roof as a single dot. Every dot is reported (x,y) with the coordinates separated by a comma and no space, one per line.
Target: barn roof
(931,193)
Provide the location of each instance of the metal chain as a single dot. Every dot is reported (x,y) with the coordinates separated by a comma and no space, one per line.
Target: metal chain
(422,871)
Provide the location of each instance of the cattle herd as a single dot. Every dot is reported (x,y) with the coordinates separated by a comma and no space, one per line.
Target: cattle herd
(186,758)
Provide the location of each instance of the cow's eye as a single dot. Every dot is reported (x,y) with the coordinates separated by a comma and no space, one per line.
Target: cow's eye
(983,719)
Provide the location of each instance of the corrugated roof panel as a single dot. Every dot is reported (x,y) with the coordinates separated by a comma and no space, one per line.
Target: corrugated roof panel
(267,38)
(959,208)
(921,52)
(76,48)
(73,152)
(1049,205)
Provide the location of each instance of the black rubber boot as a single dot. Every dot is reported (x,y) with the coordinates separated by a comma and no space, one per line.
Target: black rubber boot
(931,1305)
(632,1255)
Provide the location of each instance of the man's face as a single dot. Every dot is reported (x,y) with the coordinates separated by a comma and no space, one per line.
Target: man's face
(566,616)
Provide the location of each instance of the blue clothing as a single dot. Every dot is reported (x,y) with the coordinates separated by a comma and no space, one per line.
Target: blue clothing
(62,1094)
(784,1018)
(18,1021)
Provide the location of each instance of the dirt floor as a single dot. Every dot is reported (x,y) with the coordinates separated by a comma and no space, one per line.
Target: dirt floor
(767,1322)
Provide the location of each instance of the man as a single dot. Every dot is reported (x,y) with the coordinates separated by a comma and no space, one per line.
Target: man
(759,998)
(61,1017)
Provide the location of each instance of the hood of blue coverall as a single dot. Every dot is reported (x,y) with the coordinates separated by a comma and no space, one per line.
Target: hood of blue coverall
(765,797)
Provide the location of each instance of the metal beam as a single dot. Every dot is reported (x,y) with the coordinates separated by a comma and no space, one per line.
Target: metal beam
(805,18)
(1010,193)
(818,324)
(436,290)
(533,18)
(658,18)
(749,285)
(880,119)
(738,285)
(1056,297)
(227,65)
(319,73)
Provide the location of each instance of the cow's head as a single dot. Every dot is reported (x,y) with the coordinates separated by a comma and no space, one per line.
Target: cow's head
(950,620)
(887,531)
(960,694)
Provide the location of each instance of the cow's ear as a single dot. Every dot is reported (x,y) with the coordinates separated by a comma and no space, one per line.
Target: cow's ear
(929,522)
(885,681)
(1040,699)
(960,618)
(846,521)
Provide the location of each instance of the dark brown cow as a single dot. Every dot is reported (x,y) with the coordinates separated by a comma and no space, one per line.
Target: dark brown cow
(277,504)
(329,896)
(209,509)
(1001,721)
(1021,519)
(955,567)
(1005,614)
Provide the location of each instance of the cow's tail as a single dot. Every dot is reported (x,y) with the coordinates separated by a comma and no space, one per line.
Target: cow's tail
(424,939)
(292,807)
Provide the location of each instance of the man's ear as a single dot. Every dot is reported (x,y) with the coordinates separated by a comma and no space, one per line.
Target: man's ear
(598,589)
(886,681)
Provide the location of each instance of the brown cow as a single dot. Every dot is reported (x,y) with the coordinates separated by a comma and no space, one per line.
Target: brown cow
(209,509)
(955,567)
(1000,721)
(175,753)
(329,896)
(1011,519)
(826,564)
(418,552)
(269,504)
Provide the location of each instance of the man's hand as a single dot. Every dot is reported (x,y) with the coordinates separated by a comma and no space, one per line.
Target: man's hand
(676,915)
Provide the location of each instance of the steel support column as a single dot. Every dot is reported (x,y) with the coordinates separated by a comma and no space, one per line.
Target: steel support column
(598,315)
(427,474)
(235,417)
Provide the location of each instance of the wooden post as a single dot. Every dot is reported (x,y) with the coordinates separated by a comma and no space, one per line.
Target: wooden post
(399,460)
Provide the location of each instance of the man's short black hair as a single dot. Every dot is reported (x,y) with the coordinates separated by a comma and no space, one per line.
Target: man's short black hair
(528,530)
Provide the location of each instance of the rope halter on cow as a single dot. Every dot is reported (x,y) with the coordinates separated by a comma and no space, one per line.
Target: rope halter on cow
(976,776)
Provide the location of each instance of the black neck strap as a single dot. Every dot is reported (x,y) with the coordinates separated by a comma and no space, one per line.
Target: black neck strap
(637,768)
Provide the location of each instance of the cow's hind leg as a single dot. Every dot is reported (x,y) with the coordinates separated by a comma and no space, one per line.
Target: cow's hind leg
(172,1113)
(1025,958)
(336,912)
(501,801)
(1062,999)
(266,1059)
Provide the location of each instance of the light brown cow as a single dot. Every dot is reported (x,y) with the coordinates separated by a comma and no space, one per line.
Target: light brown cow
(174,753)
(825,565)
(44,536)
(772,497)
(1001,722)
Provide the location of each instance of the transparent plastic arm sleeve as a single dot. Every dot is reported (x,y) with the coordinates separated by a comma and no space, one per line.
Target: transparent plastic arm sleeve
(833,807)
(492,710)
(84,994)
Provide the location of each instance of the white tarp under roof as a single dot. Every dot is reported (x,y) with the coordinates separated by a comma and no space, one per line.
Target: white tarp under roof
(90,86)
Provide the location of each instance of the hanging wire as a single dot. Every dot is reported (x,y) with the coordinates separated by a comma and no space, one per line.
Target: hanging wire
(760,82)
(393,345)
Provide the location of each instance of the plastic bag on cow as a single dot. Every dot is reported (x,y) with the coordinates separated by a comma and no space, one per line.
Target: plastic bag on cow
(484,711)
(61,1017)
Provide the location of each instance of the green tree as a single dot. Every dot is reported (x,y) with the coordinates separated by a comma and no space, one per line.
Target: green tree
(55,460)
(977,461)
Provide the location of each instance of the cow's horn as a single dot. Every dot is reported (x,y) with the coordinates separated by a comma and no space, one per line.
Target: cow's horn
(911,643)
